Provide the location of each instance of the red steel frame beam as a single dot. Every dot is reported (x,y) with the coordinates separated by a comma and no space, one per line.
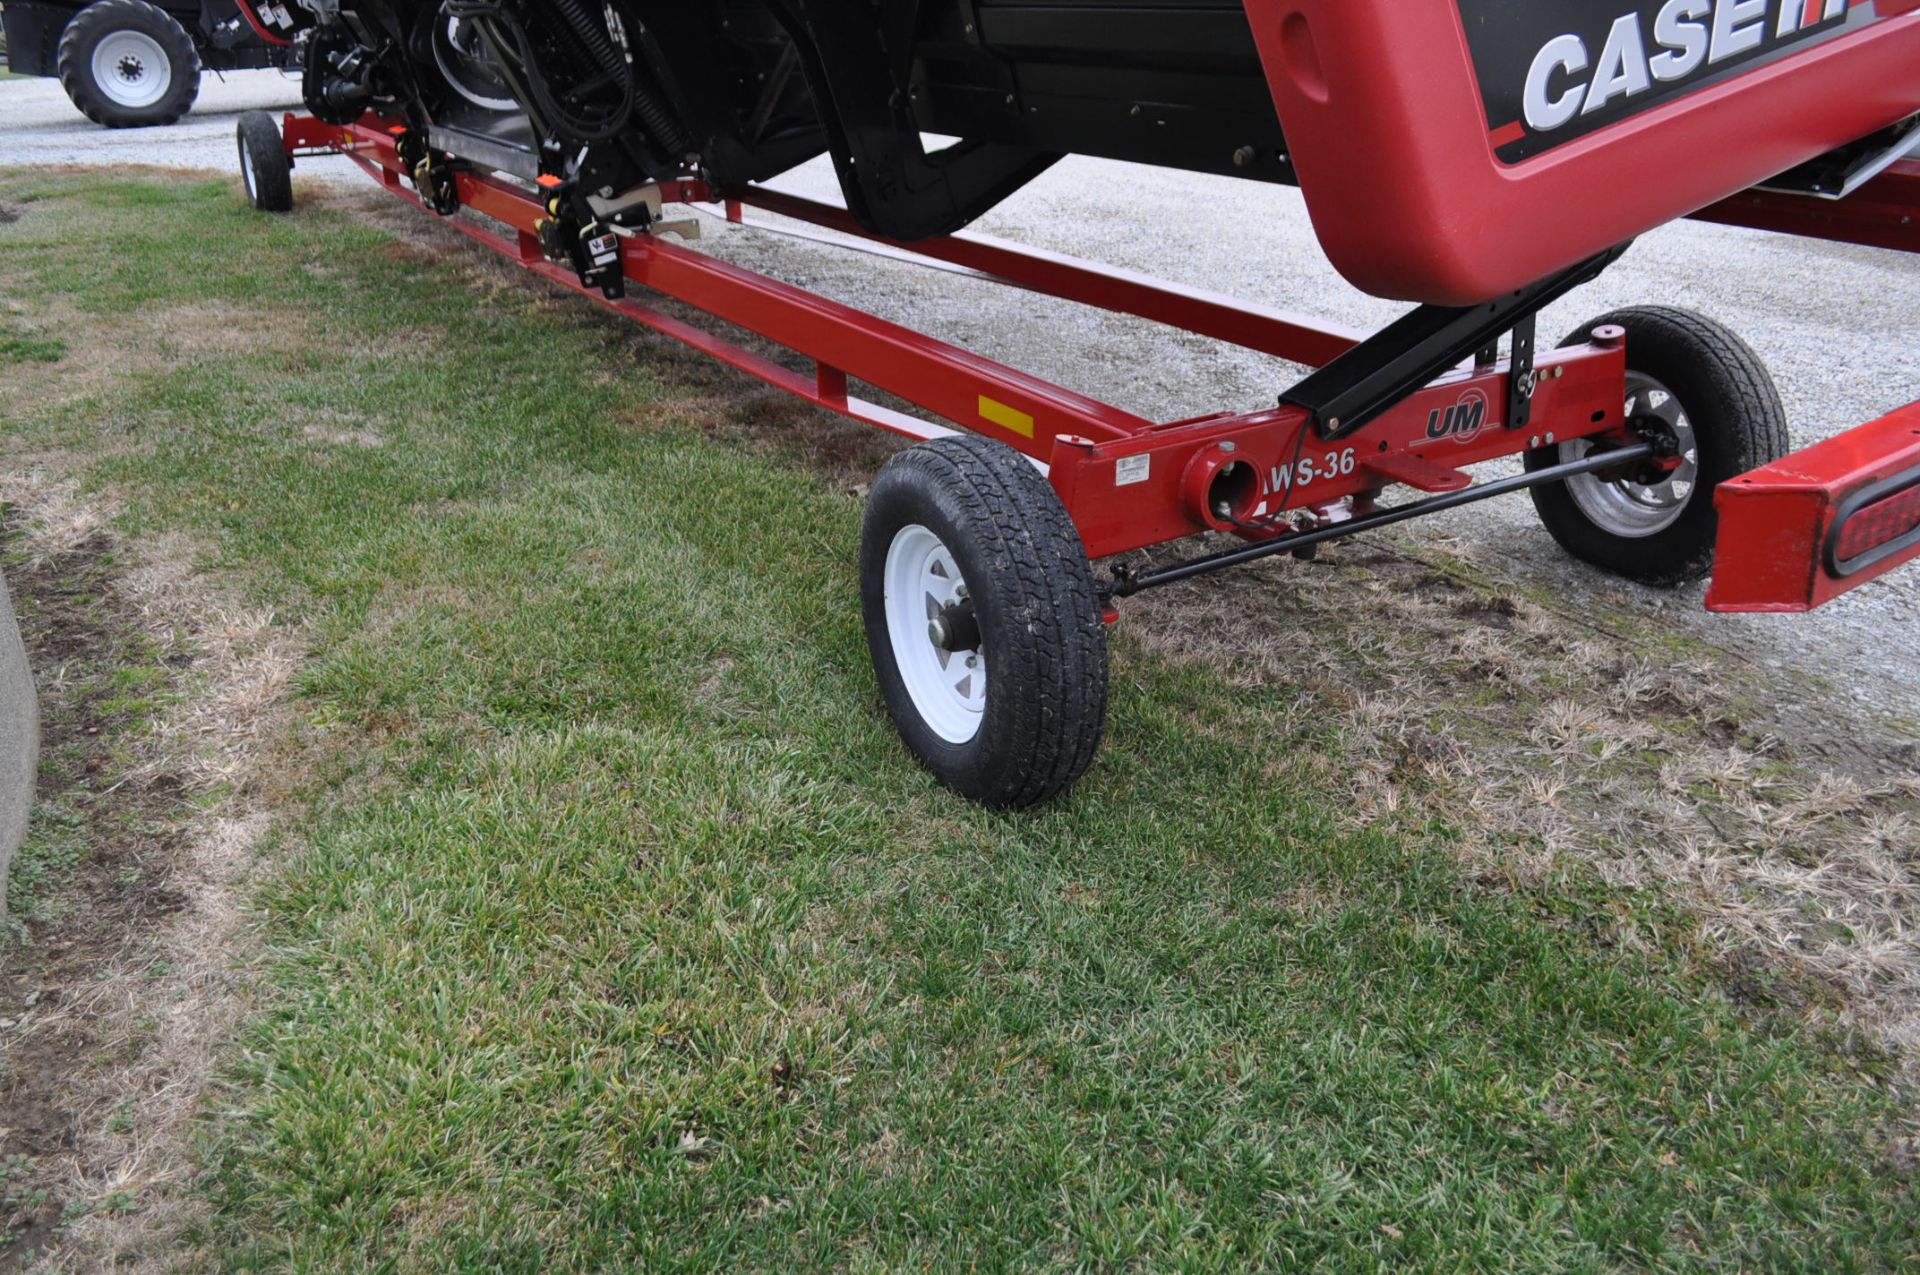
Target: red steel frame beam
(1262,329)
(1128,482)
(1779,547)
(1793,534)
(1884,213)
(1022,410)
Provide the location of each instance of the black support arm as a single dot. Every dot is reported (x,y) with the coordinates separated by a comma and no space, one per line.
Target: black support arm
(1372,377)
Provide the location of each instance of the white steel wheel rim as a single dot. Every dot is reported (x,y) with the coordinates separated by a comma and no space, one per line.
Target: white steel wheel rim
(1635,510)
(948,688)
(246,171)
(131,68)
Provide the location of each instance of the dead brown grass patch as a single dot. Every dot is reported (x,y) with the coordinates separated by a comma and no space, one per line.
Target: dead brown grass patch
(1547,737)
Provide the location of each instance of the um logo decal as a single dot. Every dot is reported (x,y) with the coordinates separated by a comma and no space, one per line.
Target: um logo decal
(1462,422)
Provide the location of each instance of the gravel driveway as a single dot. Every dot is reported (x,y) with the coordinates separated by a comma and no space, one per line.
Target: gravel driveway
(1839,326)
(38,125)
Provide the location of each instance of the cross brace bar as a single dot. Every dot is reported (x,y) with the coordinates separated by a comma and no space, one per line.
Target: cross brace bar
(1125,583)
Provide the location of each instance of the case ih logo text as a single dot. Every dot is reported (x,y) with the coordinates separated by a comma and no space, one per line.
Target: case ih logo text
(1460,422)
(1686,38)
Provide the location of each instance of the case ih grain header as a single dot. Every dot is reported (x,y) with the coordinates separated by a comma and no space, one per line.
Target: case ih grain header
(1480,158)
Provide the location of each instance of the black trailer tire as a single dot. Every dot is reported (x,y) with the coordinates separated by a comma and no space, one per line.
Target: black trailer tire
(1694,378)
(965,532)
(264,165)
(127,64)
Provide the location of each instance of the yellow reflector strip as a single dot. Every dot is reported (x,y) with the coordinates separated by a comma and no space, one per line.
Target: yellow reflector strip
(1007,418)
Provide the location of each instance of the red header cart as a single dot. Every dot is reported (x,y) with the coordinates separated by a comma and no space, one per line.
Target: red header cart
(1481,158)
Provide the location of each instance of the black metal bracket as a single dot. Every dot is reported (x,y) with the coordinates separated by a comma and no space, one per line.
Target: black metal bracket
(572,235)
(1521,380)
(1384,369)
(1126,581)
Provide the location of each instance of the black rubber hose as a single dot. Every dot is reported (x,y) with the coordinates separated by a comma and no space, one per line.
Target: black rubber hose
(659,121)
(571,126)
(590,40)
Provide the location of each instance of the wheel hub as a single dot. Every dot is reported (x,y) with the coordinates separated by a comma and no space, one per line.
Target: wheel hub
(956,628)
(131,69)
(1652,497)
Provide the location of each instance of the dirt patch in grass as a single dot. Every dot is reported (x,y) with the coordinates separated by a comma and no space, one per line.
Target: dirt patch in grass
(340,430)
(164,335)
(1548,737)
(87,366)
(80,916)
(123,971)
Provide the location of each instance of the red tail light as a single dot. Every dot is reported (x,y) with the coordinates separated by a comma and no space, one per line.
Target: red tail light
(1875,524)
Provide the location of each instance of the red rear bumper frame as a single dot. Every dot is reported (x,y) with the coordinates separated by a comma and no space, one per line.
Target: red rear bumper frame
(1807,528)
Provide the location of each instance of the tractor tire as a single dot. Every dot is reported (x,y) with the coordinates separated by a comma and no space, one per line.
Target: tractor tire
(1694,380)
(983,621)
(128,64)
(264,165)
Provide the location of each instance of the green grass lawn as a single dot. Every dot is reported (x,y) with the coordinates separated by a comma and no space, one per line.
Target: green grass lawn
(611,927)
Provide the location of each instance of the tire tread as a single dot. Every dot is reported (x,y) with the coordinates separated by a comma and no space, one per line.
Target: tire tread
(273,177)
(1042,575)
(75,69)
(1740,404)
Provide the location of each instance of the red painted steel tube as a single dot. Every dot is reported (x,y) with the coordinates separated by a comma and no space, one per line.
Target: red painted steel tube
(986,397)
(303,134)
(1296,338)
(826,388)
(1777,523)
(989,398)
(1135,492)
(1884,213)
